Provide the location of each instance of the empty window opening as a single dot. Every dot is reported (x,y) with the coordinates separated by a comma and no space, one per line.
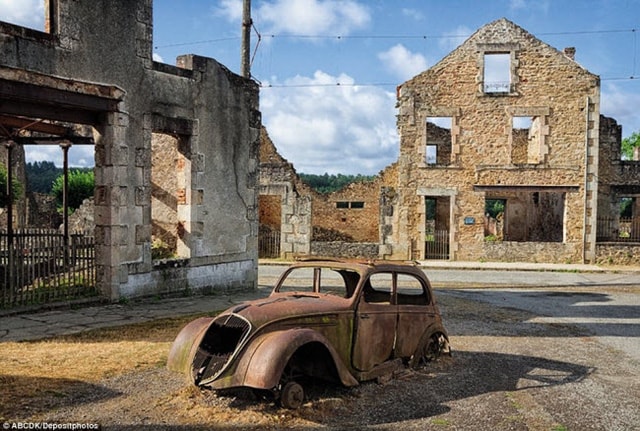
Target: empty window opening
(437,214)
(526,140)
(378,288)
(525,217)
(169,194)
(494,219)
(626,207)
(629,225)
(33,14)
(439,144)
(270,217)
(349,204)
(623,221)
(432,154)
(497,73)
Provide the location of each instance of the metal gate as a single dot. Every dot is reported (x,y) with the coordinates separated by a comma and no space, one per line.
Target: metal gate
(269,244)
(40,266)
(436,245)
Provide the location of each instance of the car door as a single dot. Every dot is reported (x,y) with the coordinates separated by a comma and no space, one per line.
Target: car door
(375,323)
(415,313)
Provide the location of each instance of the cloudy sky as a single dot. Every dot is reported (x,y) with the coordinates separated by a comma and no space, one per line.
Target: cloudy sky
(328,69)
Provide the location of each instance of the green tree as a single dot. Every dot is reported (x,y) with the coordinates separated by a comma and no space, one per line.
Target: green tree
(41,175)
(15,186)
(330,183)
(626,207)
(81,185)
(628,144)
(494,207)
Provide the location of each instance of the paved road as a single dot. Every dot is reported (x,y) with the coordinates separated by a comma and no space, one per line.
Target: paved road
(612,316)
(602,304)
(495,277)
(620,306)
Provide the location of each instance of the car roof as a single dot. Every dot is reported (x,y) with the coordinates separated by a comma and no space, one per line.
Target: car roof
(362,265)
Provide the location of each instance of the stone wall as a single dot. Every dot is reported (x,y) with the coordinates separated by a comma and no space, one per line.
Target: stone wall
(359,211)
(618,254)
(345,249)
(213,113)
(547,86)
(355,209)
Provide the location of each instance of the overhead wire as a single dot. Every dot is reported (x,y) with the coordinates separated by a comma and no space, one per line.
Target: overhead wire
(633,31)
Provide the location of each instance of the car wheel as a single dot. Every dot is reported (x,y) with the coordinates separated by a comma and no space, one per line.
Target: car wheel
(292,395)
(429,350)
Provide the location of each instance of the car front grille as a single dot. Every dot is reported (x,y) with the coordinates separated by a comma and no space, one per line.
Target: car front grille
(224,336)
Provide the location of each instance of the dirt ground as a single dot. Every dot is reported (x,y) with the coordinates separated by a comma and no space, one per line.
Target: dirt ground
(504,374)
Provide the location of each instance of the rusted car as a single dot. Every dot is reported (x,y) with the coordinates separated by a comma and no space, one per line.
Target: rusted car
(338,320)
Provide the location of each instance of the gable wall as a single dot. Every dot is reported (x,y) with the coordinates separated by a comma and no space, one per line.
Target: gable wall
(548,84)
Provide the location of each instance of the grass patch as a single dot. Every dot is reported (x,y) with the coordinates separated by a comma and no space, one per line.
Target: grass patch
(36,373)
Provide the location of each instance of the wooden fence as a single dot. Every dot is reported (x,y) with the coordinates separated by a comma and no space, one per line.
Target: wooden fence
(41,266)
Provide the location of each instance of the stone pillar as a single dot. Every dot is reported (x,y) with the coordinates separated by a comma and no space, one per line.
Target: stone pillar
(110,198)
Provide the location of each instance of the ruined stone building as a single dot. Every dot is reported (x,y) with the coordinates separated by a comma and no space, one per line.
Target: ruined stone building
(351,222)
(506,121)
(618,180)
(176,147)
(508,118)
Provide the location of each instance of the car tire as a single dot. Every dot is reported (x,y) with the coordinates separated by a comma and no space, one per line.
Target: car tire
(292,395)
(429,350)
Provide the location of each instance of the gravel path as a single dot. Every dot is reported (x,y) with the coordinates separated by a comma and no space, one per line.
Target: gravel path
(505,374)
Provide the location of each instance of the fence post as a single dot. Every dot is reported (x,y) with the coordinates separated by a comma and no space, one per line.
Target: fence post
(65,200)
(10,252)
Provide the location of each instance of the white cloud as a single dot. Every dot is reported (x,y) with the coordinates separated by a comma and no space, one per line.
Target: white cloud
(531,6)
(403,63)
(413,13)
(230,9)
(302,17)
(452,39)
(157,57)
(621,105)
(27,13)
(323,127)
(79,155)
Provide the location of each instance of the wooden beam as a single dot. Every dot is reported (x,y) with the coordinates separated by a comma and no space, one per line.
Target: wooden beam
(30,93)
(34,125)
(50,112)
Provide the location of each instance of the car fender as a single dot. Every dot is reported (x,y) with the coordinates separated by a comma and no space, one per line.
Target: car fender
(185,345)
(266,357)
(431,330)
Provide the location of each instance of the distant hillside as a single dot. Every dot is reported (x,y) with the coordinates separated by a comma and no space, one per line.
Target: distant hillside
(330,183)
(41,175)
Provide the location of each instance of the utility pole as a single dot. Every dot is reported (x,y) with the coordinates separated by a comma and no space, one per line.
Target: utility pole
(246,39)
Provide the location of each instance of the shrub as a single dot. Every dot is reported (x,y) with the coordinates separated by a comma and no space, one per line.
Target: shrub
(81,186)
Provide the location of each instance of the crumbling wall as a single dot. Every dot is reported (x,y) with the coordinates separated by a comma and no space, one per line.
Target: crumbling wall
(547,86)
(353,213)
(357,210)
(214,111)
(280,185)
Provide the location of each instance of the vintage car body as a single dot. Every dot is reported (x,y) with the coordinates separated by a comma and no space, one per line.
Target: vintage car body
(341,320)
